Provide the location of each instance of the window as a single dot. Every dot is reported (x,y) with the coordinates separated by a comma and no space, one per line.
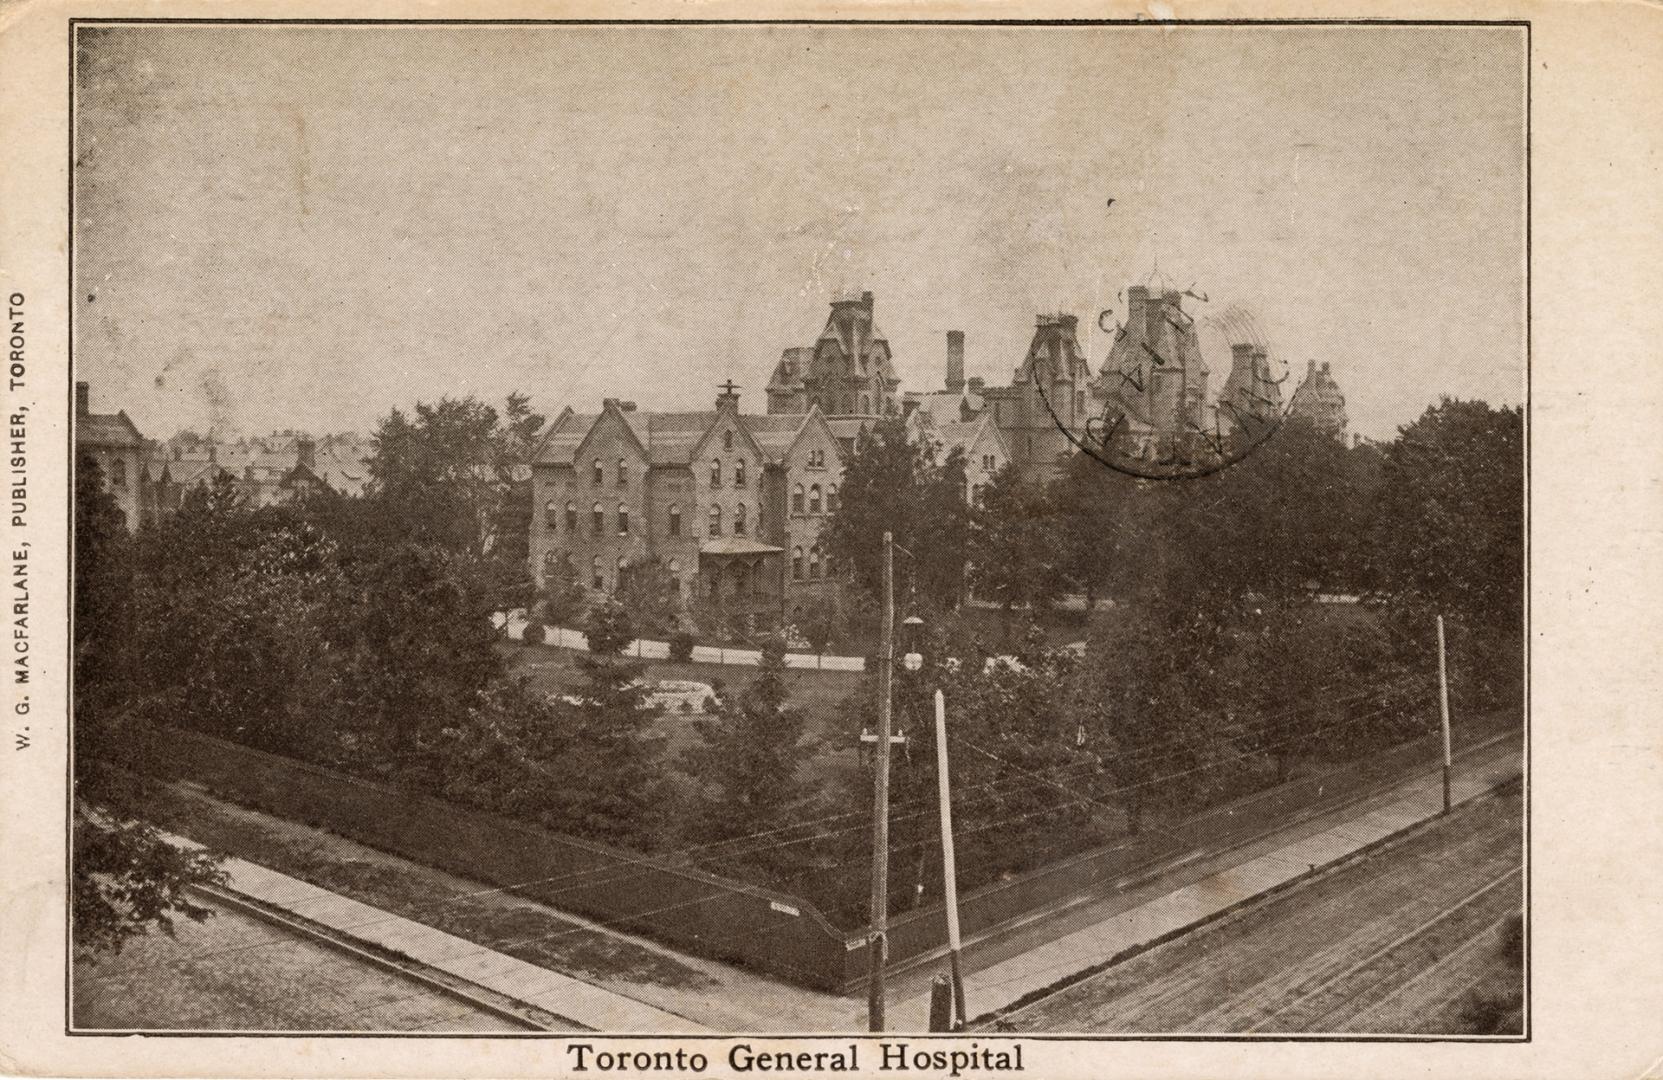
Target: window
(571,517)
(814,561)
(715,521)
(727,440)
(597,473)
(797,499)
(990,463)
(551,559)
(618,580)
(831,498)
(739,474)
(715,474)
(623,519)
(739,520)
(796,564)
(977,492)
(814,499)
(596,578)
(675,520)
(623,473)
(675,578)
(551,515)
(118,472)
(600,519)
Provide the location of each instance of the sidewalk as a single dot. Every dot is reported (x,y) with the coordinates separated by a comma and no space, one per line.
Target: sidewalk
(590,1006)
(999,985)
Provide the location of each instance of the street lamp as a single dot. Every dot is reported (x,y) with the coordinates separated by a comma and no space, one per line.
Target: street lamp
(911,630)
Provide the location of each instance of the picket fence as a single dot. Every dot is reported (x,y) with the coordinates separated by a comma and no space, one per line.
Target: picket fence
(515,624)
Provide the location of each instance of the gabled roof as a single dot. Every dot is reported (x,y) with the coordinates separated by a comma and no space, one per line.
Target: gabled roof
(106,429)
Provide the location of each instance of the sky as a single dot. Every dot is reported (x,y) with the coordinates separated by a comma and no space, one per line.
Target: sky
(306,226)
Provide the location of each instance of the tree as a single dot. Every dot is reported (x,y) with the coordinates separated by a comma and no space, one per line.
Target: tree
(611,790)
(1016,558)
(457,474)
(748,753)
(651,595)
(893,485)
(126,878)
(1450,531)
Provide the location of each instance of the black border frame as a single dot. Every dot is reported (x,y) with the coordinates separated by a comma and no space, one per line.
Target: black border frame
(74,23)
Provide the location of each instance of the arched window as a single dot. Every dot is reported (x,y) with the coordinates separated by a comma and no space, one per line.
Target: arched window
(571,517)
(596,578)
(727,440)
(739,473)
(623,473)
(739,520)
(551,515)
(797,499)
(814,561)
(814,499)
(675,575)
(675,520)
(831,498)
(623,519)
(716,473)
(118,472)
(598,478)
(796,564)
(600,518)
(618,579)
(715,521)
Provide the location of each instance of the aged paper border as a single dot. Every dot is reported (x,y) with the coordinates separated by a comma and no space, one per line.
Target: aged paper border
(1596,766)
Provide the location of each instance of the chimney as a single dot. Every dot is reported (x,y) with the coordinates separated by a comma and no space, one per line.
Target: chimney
(81,399)
(305,453)
(866,300)
(1325,367)
(955,361)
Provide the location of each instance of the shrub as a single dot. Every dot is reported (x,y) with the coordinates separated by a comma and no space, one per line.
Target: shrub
(681,646)
(534,634)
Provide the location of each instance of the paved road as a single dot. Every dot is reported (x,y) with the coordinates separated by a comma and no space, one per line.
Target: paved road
(1389,944)
(238,973)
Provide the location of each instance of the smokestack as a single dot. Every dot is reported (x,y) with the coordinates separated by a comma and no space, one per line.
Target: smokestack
(305,453)
(955,361)
(81,399)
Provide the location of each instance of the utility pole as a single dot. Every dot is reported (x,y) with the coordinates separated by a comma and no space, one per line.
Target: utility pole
(949,873)
(879,942)
(1443,706)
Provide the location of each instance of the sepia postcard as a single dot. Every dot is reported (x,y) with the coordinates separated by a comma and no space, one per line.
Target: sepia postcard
(919,540)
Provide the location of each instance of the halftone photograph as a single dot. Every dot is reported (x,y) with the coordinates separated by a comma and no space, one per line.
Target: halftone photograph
(800,528)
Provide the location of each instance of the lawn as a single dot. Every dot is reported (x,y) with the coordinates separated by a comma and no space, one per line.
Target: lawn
(819,694)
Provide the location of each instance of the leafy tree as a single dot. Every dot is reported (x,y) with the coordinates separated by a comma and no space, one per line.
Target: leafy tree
(1016,557)
(422,649)
(651,595)
(893,485)
(747,758)
(565,601)
(457,474)
(126,880)
(1450,531)
(818,623)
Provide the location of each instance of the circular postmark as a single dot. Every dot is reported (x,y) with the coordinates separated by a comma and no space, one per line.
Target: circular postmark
(1151,414)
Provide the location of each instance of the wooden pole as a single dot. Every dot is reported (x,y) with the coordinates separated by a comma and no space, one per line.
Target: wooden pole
(949,872)
(879,943)
(1443,708)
